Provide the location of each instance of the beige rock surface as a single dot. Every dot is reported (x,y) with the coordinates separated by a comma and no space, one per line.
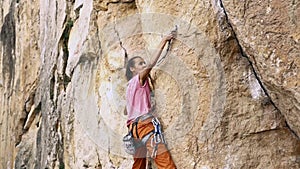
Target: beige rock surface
(227,93)
(269,33)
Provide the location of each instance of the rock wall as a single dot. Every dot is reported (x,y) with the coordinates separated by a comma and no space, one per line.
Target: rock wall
(227,93)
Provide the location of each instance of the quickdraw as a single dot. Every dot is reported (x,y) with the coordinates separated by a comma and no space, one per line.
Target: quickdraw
(157,137)
(168,48)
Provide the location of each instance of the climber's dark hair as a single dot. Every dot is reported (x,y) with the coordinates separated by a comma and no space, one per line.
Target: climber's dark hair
(129,74)
(130,64)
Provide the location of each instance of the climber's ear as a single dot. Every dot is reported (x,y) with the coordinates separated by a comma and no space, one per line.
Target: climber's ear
(132,69)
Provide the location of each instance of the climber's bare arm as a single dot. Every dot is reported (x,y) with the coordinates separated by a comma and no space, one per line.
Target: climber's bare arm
(144,74)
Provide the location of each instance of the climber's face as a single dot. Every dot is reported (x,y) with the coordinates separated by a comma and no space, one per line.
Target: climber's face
(139,66)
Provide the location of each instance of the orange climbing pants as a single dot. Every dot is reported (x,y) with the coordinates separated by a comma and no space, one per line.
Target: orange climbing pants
(163,159)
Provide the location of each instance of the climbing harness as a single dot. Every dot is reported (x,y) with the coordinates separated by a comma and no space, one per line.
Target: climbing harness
(129,142)
(168,48)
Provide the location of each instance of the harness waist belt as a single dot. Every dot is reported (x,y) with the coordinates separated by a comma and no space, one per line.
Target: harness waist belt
(146,137)
(144,117)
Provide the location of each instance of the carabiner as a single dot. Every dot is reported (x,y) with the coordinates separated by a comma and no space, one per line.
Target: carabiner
(157,138)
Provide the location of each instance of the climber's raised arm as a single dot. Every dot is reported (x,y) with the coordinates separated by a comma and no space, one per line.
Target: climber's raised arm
(144,74)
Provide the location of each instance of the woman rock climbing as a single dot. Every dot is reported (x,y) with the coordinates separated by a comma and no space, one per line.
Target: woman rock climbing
(143,125)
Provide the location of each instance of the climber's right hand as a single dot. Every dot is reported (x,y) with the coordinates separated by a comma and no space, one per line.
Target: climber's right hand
(169,37)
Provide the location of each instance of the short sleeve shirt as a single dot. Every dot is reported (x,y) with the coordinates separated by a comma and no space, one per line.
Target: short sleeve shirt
(137,98)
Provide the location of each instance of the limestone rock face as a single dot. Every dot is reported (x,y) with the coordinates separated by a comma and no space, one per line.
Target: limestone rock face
(227,92)
(269,33)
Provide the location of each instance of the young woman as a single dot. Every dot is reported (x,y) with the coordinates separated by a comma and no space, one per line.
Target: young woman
(140,120)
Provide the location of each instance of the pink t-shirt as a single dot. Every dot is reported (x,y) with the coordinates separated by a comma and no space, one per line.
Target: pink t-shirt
(137,98)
